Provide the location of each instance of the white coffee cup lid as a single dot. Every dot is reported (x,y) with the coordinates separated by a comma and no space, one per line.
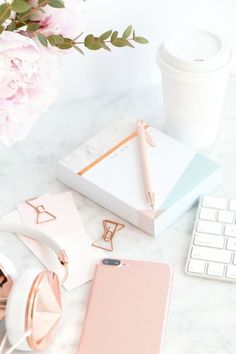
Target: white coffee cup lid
(195,51)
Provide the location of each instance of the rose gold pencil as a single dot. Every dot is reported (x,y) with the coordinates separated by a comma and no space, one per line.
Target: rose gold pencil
(143,140)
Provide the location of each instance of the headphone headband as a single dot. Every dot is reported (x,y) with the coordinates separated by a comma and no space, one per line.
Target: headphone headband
(39,236)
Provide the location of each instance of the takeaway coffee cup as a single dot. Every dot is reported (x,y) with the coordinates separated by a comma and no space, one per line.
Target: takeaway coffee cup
(194,67)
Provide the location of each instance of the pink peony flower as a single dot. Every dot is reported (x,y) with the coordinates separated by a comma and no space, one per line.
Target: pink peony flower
(66,21)
(27,73)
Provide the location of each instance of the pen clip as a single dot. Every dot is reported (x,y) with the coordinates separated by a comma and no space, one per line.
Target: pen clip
(149,139)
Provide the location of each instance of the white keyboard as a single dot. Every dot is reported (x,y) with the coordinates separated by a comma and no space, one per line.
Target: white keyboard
(212,252)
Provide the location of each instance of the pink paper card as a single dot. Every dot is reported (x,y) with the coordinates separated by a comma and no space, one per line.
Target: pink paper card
(69,230)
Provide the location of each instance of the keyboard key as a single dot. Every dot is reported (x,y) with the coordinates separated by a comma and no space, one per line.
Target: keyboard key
(215,269)
(209,240)
(226,216)
(208,214)
(231,272)
(230,230)
(211,254)
(196,266)
(231,244)
(214,202)
(232,205)
(209,227)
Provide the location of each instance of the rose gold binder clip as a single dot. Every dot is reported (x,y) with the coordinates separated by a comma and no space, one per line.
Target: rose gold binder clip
(110,229)
(42,215)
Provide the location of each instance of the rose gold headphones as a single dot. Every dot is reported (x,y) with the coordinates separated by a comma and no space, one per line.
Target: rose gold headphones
(31,302)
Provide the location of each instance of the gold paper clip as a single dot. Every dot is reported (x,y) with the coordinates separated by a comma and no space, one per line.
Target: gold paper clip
(110,229)
(41,212)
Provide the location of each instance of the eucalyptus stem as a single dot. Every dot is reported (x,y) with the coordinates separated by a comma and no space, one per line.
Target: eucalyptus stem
(24,9)
(105,41)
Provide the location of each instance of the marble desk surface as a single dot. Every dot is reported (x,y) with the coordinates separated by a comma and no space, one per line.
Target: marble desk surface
(202,317)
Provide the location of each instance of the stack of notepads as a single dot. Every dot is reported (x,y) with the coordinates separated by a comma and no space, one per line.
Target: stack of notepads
(107,169)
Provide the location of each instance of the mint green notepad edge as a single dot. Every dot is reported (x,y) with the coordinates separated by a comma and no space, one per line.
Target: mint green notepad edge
(199,169)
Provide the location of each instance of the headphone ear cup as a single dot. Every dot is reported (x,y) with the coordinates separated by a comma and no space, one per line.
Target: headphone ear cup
(34,305)
(7,267)
(16,307)
(8,275)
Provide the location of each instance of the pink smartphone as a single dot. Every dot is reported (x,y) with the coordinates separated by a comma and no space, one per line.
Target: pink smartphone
(127,308)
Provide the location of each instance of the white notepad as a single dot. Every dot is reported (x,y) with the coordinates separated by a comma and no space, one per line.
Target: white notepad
(120,172)
(107,169)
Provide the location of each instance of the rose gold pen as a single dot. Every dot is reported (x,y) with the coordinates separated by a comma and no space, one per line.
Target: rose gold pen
(144,139)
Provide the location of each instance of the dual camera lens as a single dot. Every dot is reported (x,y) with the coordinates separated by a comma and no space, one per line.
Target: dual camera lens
(111,262)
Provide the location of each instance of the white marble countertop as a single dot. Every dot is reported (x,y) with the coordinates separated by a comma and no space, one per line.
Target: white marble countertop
(202,317)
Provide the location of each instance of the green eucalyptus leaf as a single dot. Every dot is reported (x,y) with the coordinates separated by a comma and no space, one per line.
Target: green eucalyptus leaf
(5,12)
(141,40)
(59,39)
(105,35)
(127,32)
(67,44)
(32,27)
(92,43)
(20,6)
(25,15)
(114,36)
(1,29)
(43,40)
(12,26)
(55,39)
(119,42)
(88,40)
(42,3)
(78,49)
(51,40)
(64,46)
(56,3)
(67,40)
